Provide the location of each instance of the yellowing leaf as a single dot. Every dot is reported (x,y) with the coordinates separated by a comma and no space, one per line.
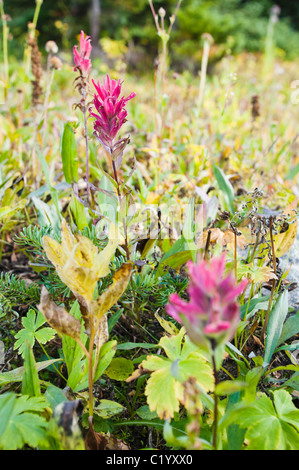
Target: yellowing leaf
(110,296)
(168,326)
(255,273)
(78,262)
(284,241)
(161,383)
(165,387)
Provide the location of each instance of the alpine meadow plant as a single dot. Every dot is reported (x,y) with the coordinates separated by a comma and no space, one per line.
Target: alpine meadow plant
(82,57)
(80,265)
(83,66)
(212,315)
(110,117)
(111,338)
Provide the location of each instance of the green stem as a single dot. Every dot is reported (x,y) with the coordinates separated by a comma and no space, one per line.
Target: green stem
(32,29)
(5,49)
(119,198)
(215,428)
(90,372)
(57,370)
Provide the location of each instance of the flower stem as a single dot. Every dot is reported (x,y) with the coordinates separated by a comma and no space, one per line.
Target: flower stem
(119,197)
(90,372)
(84,110)
(273,281)
(215,428)
(5,41)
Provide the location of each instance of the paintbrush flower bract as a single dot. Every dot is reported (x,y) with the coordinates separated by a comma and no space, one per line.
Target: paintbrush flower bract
(111,114)
(82,56)
(212,311)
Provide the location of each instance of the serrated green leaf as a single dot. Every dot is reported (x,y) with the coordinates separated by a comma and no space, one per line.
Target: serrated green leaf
(19,422)
(260,416)
(31,332)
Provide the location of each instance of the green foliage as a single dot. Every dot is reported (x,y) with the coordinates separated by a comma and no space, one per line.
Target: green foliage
(119,369)
(275,325)
(21,421)
(226,189)
(164,388)
(69,154)
(108,408)
(32,331)
(270,424)
(77,364)
(30,380)
(234,24)
(15,292)
(31,238)
(209,159)
(16,375)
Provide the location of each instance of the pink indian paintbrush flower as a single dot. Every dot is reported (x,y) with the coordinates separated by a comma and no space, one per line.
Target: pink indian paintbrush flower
(212,311)
(82,57)
(111,114)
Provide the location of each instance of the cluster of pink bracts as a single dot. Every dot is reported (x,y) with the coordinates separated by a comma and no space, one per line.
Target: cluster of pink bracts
(212,312)
(82,57)
(111,113)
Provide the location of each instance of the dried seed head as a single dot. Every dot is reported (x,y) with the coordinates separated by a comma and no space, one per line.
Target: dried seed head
(51,47)
(255,107)
(37,71)
(56,63)
(207,37)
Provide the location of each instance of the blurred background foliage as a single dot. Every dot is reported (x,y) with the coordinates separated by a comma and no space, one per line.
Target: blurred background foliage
(127,27)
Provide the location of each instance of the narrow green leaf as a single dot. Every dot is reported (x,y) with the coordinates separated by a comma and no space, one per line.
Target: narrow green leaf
(225,187)
(16,375)
(275,325)
(30,382)
(69,154)
(127,346)
(290,328)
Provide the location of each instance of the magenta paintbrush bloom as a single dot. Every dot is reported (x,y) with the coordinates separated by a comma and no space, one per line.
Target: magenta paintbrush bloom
(82,57)
(111,113)
(212,311)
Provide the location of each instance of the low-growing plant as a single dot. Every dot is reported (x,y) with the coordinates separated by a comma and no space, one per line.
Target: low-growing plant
(144,298)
